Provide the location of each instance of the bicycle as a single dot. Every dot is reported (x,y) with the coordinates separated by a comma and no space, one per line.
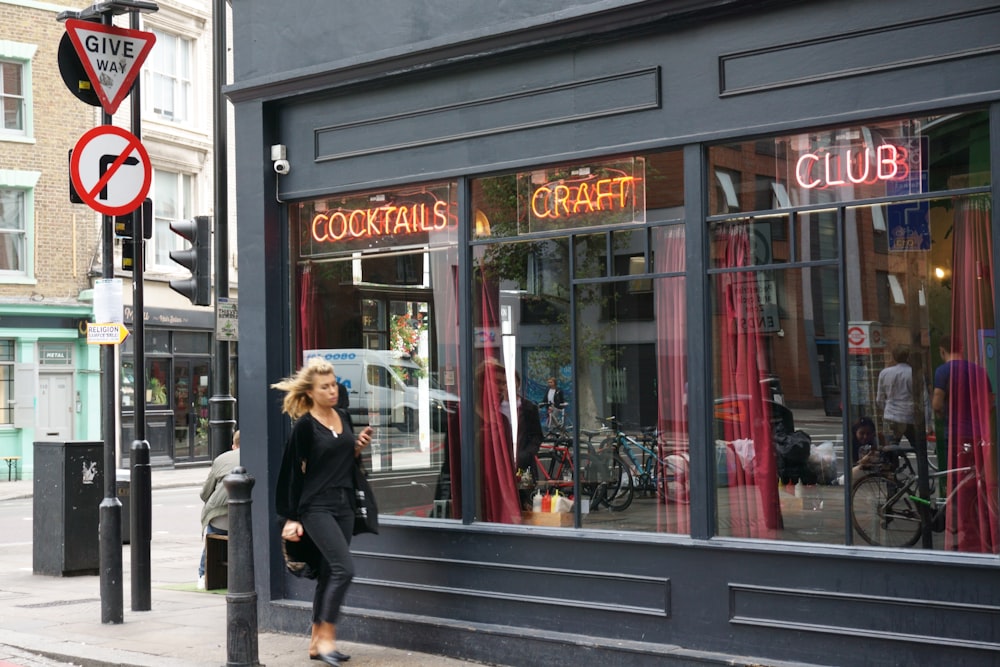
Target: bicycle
(602,475)
(555,423)
(886,508)
(666,477)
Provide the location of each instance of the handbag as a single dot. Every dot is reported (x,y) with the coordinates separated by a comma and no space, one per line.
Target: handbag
(301,558)
(365,508)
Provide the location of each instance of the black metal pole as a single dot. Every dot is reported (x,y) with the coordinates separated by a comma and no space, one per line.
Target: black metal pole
(140,516)
(241,596)
(112,597)
(221,407)
(140,493)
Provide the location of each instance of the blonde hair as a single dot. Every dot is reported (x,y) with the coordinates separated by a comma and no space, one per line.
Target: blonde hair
(297,401)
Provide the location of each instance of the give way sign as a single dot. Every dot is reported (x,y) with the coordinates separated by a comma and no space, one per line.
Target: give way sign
(111,56)
(110,170)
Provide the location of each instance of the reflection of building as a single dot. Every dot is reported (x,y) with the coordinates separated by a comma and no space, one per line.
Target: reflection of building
(499,204)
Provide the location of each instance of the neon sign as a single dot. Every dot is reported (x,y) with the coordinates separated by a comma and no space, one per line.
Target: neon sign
(838,166)
(379,221)
(600,193)
(566,199)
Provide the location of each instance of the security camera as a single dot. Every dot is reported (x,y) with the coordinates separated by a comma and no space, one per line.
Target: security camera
(281,167)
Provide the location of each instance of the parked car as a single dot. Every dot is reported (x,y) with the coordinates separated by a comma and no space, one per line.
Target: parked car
(390,385)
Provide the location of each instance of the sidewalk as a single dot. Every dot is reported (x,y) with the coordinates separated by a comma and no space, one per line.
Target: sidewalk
(59,618)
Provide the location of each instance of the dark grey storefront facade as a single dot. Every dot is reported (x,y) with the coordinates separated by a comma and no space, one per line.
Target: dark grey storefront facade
(387,94)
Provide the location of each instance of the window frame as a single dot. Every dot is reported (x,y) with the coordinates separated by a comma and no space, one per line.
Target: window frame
(20,54)
(8,361)
(181,81)
(184,195)
(24,182)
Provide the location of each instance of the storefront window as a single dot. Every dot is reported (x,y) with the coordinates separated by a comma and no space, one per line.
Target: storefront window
(853,342)
(376,295)
(578,315)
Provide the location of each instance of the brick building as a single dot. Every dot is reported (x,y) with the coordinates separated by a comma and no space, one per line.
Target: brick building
(55,247)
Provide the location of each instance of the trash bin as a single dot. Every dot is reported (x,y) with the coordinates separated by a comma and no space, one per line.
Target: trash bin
(123,489)
(68,491)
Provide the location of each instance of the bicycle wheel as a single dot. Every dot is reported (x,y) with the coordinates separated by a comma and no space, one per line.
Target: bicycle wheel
(607,480)
(880,519)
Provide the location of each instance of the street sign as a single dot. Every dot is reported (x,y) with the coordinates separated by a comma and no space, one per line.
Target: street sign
(73,74)
(227,323)
(110,170)
(110,333)
(112,57)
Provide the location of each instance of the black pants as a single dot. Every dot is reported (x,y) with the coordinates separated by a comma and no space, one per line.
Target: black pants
(331,526)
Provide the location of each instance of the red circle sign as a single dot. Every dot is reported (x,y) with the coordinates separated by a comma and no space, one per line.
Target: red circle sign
(856,336)
(110,170)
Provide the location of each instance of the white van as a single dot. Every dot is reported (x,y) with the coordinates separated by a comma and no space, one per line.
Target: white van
(387,387)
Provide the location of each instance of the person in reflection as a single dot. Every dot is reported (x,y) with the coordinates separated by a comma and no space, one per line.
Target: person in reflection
(494,441)
(215,513)
(868,452)
(554,404)
(315,492)
(895,397)
(529,440)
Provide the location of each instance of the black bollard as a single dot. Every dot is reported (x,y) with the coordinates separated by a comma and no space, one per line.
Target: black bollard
(140,525)
(241,598)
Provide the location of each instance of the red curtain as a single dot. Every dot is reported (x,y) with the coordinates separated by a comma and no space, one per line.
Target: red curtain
(445,272)
(753,504)
(309,314)
(972,521)
(501,502)
(671,375)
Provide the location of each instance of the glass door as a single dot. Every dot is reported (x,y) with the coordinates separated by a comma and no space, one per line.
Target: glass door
(192,389)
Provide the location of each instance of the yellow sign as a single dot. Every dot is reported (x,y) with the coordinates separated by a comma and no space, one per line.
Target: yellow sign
(112,333)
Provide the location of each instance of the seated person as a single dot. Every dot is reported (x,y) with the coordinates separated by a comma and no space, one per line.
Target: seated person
(215,512)
(868,449)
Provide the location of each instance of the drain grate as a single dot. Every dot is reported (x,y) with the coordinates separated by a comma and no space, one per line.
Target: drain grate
(58,603)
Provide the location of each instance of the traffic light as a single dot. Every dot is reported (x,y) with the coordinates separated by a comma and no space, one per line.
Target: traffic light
(197,259)
(125,226)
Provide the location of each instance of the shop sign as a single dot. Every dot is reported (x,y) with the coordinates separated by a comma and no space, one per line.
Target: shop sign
(601,193)
(756,304)
(400,217)
(227,323)
(864,337)
(854,165)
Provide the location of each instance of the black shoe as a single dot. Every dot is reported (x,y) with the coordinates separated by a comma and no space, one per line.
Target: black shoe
(343,657)
(327,658)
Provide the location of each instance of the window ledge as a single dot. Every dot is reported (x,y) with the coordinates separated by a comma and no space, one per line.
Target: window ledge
(14,139)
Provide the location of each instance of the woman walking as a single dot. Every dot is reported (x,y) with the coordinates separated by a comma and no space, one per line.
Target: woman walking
(315,493)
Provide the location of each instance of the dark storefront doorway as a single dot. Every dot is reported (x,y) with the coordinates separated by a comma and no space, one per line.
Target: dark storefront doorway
(192,389)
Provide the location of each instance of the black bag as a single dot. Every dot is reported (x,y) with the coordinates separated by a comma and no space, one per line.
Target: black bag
(302,558)
(365,508)
(792,451)
(794,447)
